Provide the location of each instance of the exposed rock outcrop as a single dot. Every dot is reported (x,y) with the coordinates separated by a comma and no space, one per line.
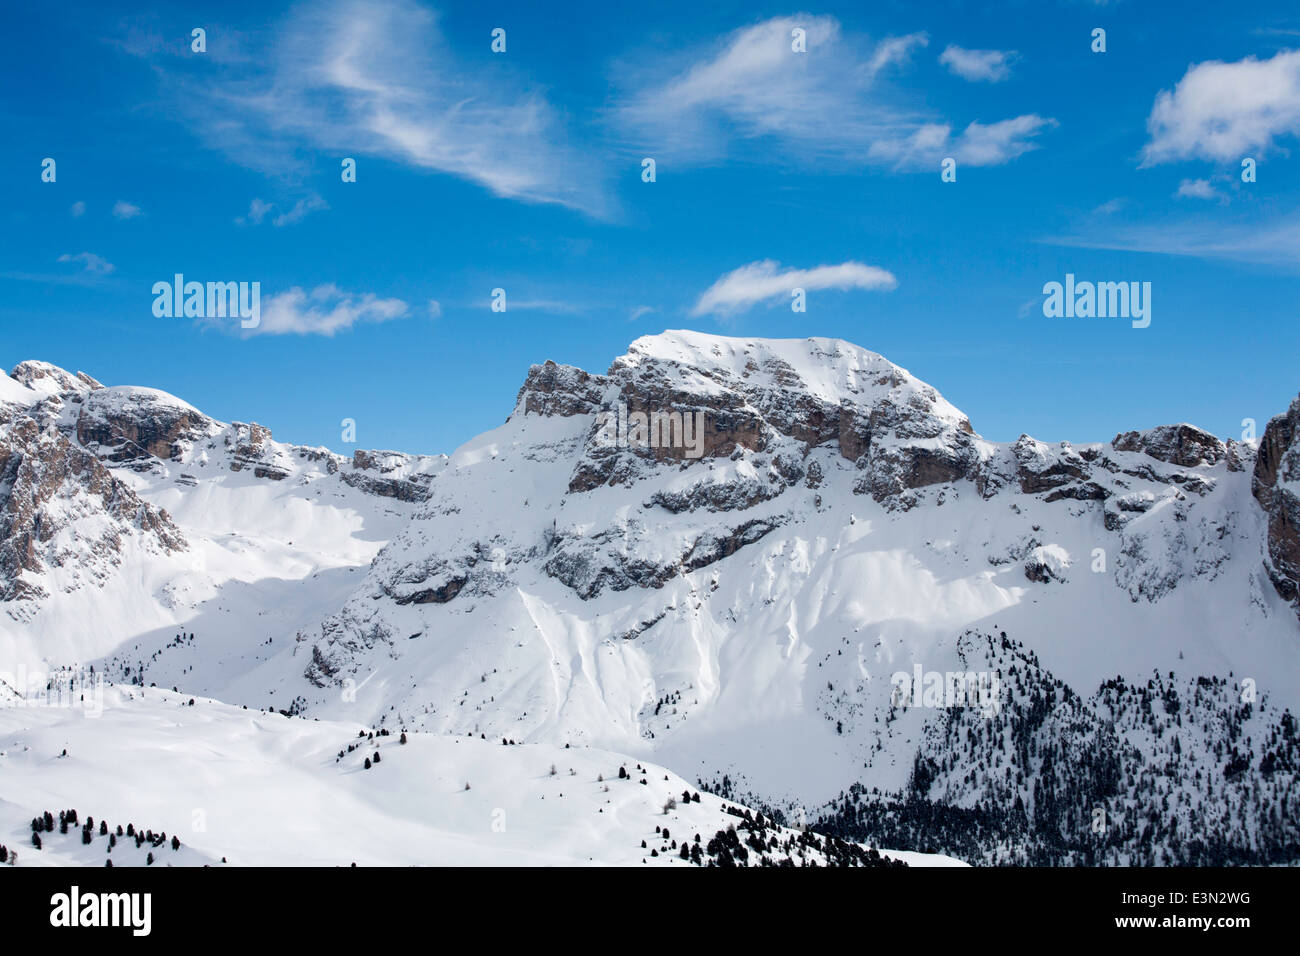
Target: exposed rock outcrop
(754,397)
(50,379)
(62,509)
(552,389)
(388,474)
(128,424)
(1276,486)
(1184,445)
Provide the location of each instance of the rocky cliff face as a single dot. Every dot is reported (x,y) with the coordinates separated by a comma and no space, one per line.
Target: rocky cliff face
(47,379)
(1183,445)
(1276,486)
(65,519)
(757,397)
(900,435)
(739,424)
(770,413)
(74,456)
(390,474)
(147,430)
(136,425)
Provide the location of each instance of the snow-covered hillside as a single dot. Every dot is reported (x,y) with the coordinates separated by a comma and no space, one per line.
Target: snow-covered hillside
(245,787)
(732,597)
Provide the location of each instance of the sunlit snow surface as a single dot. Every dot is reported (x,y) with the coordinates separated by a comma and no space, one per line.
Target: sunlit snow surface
(772,665)
(262,789)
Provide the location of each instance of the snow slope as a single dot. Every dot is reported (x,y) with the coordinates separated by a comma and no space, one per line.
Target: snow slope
(251,788)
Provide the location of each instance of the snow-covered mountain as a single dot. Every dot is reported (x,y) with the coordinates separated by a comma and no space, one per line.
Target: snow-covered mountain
(720,554)
(125,511)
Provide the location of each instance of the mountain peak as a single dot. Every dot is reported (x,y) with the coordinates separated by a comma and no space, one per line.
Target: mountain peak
(49,379)
(829,370)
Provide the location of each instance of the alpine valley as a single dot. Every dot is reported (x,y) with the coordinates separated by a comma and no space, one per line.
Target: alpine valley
(549,647)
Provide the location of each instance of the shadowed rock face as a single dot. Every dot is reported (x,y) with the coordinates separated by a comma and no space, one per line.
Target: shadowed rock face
(48,485)
(911,445)
(1276,486)
(552,389)
(1039,467)
(437,595)
(371,473)
(125,425)
(1184,445)
(854,434)
(898,430)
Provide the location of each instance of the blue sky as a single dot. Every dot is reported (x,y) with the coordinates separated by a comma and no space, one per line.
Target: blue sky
(522,170)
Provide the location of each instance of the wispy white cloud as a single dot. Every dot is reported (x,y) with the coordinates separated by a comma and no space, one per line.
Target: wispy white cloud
(96,265)
(78,209)
(830,104)
(895,51)
(435,309)
(753,82)
(978,66)
(301,209)
(257,210)
(977,145)
(325,310)
(125,210)
(1273,243)
(764,280)
(1224,111)
(377,78)
(1197,189)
